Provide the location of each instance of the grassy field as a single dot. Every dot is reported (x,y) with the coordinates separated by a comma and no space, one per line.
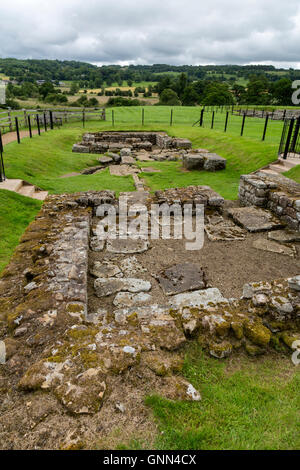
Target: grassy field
(16,212)
(246,404)
(44,159)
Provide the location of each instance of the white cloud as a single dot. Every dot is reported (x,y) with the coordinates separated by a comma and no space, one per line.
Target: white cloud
(173,31)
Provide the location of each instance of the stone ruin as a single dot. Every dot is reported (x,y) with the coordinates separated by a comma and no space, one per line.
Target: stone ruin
(78,312)
(274,192)
(124,148)
(85,321)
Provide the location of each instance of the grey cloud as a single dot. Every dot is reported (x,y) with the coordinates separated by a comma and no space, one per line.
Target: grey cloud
(170,31)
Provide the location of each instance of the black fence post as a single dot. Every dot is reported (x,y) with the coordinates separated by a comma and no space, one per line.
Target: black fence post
(83,118)
(226,121)
(295,137)
(113,117)
(51,119)
(17,130)
(171,118)
(45,122)
(265,128)
(283,116)
(38,124)
(201,118)
(243,124)
(143,116)
(212,119)
(288,140)
(29,126)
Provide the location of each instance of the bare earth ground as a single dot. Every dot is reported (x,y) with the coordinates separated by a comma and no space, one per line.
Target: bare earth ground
(227,265)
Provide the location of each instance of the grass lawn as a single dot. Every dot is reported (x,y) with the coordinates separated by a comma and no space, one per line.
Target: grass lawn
(16,212)
(44,159)
(294,173)
(246,404)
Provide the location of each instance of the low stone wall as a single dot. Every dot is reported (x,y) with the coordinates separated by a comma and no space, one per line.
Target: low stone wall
(275,192)
(102,142)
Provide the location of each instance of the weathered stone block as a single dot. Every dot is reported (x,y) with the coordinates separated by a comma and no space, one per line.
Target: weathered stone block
(78,148)
(213,162)
(193,161)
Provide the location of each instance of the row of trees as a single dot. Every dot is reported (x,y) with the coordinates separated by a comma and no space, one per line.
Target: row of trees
(259,91)
(174,91)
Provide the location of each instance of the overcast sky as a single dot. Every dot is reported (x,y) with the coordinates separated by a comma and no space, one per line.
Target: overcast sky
(157,31)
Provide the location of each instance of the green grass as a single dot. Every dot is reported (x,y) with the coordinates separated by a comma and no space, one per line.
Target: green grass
(16,212)
(44,159)
(294,173)
(255,406)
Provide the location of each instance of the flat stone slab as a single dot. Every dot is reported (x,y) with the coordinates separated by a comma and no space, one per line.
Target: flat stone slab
(274,247)
(284,236)
(108,286)
(127,299)
(182,278)
(123,170)
(144,158)
(105,160)
(219,229)
(127,246)
(197,298)
(255,219)
(126,160)
(107,269)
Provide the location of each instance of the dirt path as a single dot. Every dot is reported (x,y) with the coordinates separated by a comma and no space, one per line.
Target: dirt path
(12,136)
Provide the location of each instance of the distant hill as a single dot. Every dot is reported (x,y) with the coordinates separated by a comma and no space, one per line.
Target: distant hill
(93,76)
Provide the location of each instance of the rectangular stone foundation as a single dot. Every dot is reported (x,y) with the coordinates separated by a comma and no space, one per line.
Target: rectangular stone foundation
(274,192)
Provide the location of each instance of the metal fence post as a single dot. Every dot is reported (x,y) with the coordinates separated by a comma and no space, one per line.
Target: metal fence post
(212,119)
(143,116)
(226,121)
(201,118)
(288,140)
(295,137)
(29,126)
(45,122)
(51,119)
(171,118)
(265,128)
(113,118)
(243,124)
(38,124)
(17,130)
